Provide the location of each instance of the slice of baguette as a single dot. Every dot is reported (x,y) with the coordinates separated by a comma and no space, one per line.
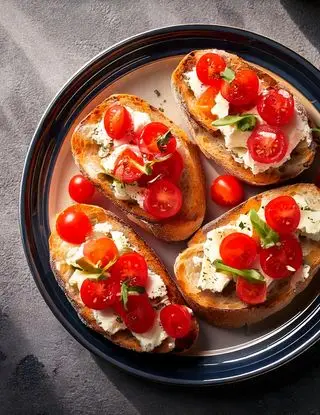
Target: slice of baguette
(211,141)
(192,183)
(225,309)
(63,271)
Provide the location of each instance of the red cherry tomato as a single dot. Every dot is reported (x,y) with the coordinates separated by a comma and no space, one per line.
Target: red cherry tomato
(207,100)
(118,122)
(251,293)
(283,214)
(171,168)
(81,189)
(238,250)
(140,314)
(125,169)
(73,226)
(276,107)
(119,309)
(163,199)
(227,190)
(280,260)
(101,252)
(175,320)
(149,140)
(208,69)
(267,144)
(243,89)
(131,267)
(99,294)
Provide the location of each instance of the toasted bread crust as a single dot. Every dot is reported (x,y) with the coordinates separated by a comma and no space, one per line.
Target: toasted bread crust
(192,183)
(63,271)
(211,141)
(228,311)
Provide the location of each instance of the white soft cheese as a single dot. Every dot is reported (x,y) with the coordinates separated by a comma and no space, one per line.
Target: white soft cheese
(152,338)
(108,163)
(121,241)
(220,108)
(155,287)
(74,254)
(140,119)
(79,276)
(123,191)
(108,320)
(102,227)
(192,80)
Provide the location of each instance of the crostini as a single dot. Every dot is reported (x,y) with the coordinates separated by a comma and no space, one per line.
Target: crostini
(145,164)
(252,261)
(116,283)
(242,118)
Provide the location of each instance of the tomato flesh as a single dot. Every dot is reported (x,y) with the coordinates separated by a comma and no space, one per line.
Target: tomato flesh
(283,259)
(276,107)
(283,214)
(73,226)
(81,189)
(267,144)
(207,100)
(227,190)
(163,199)
(131,267)
(176,320)
(101,252)
(125,169)
(150,140)
(238,250)
(99,294)
(243,90)
(140,314)
(251,293)
(118,122)
(209,67)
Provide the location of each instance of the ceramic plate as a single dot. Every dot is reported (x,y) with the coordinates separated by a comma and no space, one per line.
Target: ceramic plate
(141,65)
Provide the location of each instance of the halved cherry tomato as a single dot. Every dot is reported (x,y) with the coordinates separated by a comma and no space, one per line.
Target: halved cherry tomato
(208,69)
(118,122)
(125,168)
(152,140)
(99,294)
(175,320)
(267,144)
(101,252)
(283,259)
(163,199)
(227,190)
(243,89)
(238,250)
(81,189)
(131,267)
(283,214)
(119,309)
(251,293)
(276,107)
(171,168)
(207,100)
(73,226)
(140,314)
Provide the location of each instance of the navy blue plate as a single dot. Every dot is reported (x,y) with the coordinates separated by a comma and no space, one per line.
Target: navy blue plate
(300,332)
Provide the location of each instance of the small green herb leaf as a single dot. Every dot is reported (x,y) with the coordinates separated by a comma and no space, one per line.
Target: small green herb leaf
(245,122)
(87,266)
(147,168)
(163,140)
(126,289)
(228,75)
(241,225)
(251,275)
(268,236)
(316,130)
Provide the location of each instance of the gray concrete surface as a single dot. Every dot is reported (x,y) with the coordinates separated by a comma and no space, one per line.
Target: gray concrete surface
(43,370)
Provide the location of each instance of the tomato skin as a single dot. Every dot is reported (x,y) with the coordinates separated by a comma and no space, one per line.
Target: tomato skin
(227,190)
(163,199)
(251,293)
(176,320)
(275,260)
(243,90)
(101,252)
(276,107)
(124,168)
(207,100)
(99,294)
(131,267)
(73,226)
(140,314)
(148,141)
(80,189)
(267,144)
(283,214)
(238,250)
(118,122)
(209,67)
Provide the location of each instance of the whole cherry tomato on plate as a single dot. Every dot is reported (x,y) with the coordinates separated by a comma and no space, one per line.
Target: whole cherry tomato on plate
(73,225)
(81,189)
(227,190)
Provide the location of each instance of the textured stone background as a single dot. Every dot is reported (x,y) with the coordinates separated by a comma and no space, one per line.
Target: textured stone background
(43,370)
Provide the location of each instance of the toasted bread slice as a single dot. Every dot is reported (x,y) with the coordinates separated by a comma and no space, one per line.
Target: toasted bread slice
(192,183)
(225,309)
(63,272)
(210,139)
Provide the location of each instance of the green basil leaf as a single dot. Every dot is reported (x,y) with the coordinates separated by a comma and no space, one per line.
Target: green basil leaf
(268,236)
(124,294)
(228,74)
(245,122)
(228,120)
(251,275)
(163,140)
(87,266)
(316,130)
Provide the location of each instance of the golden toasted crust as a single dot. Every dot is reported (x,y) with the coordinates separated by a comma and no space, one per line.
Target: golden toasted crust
(211,141)
(62,271)
(192,183)
(225,309)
